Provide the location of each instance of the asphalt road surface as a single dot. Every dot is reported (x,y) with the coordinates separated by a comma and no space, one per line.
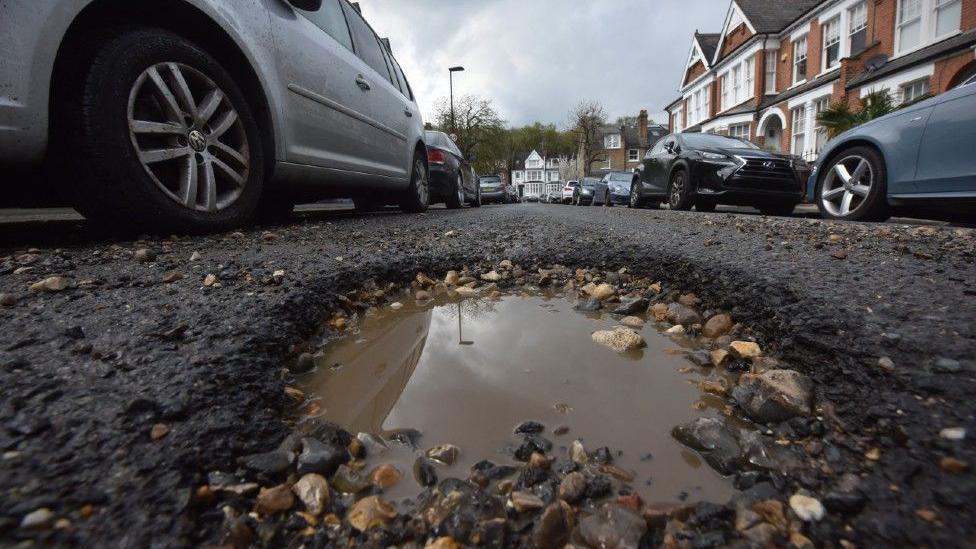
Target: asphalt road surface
(133,340)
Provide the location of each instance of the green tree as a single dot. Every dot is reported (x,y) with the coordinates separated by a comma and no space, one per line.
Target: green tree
(840,117)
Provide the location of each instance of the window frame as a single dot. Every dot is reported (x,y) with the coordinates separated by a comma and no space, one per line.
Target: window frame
(925,84)
(633,157)
(611,141)
(900,26)
(938,7)
(834,24)
(853,30)
(799,122)
(725,90)
(797,59)
(819,105)
(749,77)
(739,135)
(771,75)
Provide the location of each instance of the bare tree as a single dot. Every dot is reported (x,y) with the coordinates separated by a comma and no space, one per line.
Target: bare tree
(585,121)
(476,121)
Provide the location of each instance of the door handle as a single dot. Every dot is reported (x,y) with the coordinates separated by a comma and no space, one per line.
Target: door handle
(408,113)
(363,83)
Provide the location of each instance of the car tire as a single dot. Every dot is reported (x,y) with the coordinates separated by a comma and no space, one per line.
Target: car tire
(455,199)
(705,206)
(679,191)
(608,203)
(831,192)
(476,203)
(635,201)
(416,199)
(778,210)
(160,137)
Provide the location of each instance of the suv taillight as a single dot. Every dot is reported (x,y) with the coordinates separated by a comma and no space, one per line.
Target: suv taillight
(567,188)
(435,156)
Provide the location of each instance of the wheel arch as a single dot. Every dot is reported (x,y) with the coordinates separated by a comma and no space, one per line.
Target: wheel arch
(182,18)
(840,149)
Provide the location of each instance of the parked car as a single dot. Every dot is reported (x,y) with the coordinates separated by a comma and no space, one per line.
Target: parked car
(917,159)
(569,190)
(493,190)
(702,170)
(532,196)
(618,188)
(198,115)
(513,196)
(555,197)
(452,179)
(589,188)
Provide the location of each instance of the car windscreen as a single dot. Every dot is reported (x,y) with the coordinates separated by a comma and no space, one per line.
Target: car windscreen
(590,183)
(622,176)
(436,139)
(490,180)
(712,141)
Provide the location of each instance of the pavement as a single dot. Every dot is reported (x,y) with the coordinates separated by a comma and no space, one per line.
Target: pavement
(880,316)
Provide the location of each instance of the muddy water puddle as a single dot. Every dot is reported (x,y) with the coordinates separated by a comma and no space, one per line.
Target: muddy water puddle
(466,373)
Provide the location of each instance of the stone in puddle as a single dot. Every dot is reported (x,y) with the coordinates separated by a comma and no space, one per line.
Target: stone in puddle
(532,444)
(808,509)
(588,305)
(744,350)
(632,322)
(601,292)
(577,453)
(631,306)
(464,291)
(270,463)
(444,453)
(659,311)
(424,472)
(492,276)
(385,476)
(529,428)
(274,500)
(716,442)
(349,481)
(774,395)
(313,491)
(554,526)
(371,512)
(526,501)
(372,445)
(717,326)
(572,487)
(613,526)
(318,457)
(682,314)
(620,339)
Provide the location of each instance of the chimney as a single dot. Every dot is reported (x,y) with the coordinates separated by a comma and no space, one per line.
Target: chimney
(642,126)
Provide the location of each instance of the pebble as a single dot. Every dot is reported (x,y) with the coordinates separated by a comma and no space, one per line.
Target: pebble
(744,350)
(529,428)
(659,311)
(171,277)
(444,542)
(274,500)
(953,433)
(41,518)
(952,465)
(572,487)
(464,291)
(385,476)
(632,322)
(774,395)
(7,300)
(451,278)
(620,339)
(50,284)
(370,512)
(396,305)
(444,453)
(612,526)
(422,295)
(195,256)
(505,264)
(807,508)
(158,431)
(424,472)
(209,280)
(554,527)
(577,453)
(526,501)
(886,363)
(313,491)
(718,356)
(601,292)
(145,255)
(492,276)
(675,330)
(717,326)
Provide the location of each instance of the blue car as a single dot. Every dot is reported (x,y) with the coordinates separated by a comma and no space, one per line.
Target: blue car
(919,159)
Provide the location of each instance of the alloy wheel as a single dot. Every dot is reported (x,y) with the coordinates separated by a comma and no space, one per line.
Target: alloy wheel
(188,137)
(421,185)
(460,190)
(677,190)
(847,185)
(634,195)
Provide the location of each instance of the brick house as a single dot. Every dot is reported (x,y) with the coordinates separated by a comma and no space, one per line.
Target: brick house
(776,64)
(624,146)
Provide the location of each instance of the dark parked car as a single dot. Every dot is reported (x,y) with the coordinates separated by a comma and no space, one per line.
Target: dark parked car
(588,190)
(493,190)
(511,191)
(917,159)
(452,180)
(703,170)
(618,188)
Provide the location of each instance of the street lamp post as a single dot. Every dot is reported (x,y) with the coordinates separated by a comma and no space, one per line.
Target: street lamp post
(451,71)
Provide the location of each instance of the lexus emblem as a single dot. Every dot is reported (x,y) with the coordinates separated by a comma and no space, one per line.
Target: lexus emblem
(769,164)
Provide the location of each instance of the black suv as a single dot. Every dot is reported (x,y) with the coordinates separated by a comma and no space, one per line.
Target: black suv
(704,170)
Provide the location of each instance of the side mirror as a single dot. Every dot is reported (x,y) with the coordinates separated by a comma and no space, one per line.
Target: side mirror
(307,5)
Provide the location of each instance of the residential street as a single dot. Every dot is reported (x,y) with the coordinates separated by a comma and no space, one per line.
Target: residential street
(879,316)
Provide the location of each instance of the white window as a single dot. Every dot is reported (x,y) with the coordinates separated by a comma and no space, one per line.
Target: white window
(948,15)
(800,60)
(706,102)
(518,176)
(771,59)
(534,175)
(611,141)
(859,27)
(749,71)
(914,90)
(736,84)
(678,120)
(831,44)
(607,163)
(820,132)
(724,82)
(740,131)
(633,155)
(695,111)
(799,129)
(909,24)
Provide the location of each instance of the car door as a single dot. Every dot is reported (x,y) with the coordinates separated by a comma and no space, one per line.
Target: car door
(386,103)
(945,158)
(464,168)
(324,109)
(659,161)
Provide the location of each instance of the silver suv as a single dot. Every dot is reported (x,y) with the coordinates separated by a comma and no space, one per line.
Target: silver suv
(199,115)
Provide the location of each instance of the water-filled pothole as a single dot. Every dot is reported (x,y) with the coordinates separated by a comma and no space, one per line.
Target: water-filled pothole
(467,372)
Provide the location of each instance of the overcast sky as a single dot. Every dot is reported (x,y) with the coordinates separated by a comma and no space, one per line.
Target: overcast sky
(537,58)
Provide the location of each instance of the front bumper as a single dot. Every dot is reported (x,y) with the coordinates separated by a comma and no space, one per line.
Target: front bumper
(618,197)
(749,183)
(493,196)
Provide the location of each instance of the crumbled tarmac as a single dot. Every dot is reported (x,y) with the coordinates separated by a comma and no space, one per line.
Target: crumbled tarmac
(125,385)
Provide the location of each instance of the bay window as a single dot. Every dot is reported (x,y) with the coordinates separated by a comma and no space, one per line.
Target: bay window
(724,83)
(859,27)
(799,129)
(736,83)
(800,60)
(750,75)
(820,132)
(831,44)
(771,59)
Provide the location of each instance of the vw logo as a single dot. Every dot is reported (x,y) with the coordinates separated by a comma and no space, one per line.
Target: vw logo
(769,164)
(197,141)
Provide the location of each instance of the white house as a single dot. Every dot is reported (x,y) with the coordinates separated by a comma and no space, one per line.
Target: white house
(533,175)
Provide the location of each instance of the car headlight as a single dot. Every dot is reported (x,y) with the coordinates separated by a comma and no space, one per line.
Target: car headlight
(717,158)
(587,192)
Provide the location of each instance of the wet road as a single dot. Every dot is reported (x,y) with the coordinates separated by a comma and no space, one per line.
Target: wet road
(128,343)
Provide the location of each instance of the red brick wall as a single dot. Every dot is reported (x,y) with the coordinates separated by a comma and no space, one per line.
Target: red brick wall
(757,77)
(814,49)
(784,72)
(735,38)
(881,24)
(968,15)
(946,70)
(694,72)
(713,106)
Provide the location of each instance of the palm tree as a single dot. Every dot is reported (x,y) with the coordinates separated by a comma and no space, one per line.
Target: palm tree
(839,117)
